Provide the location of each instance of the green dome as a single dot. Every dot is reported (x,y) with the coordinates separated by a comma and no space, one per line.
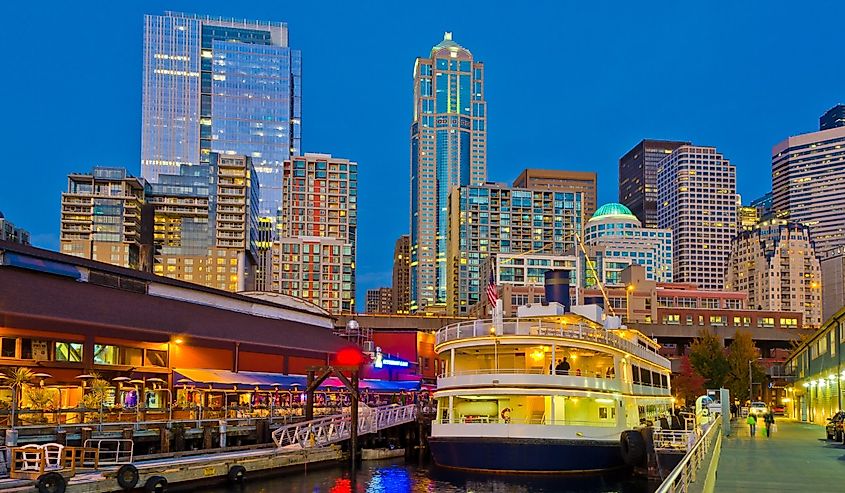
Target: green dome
(612,209)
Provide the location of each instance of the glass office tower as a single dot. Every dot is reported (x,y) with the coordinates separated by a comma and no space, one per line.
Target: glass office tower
(229,86)
(448,149)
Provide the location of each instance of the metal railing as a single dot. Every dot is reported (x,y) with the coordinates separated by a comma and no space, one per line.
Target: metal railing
(538,327)
(336,428)
(113,451)
(674,439)
(687,470)
(524,421)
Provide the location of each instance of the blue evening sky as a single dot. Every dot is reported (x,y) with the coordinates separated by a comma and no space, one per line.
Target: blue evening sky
(570,85)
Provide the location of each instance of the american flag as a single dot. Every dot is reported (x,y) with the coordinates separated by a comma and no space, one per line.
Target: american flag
(492,292)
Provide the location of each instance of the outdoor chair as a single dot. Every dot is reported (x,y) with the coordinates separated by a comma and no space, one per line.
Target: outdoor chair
(52,455)
(30,458)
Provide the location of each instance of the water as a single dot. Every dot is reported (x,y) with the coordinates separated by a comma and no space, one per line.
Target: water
(396,476)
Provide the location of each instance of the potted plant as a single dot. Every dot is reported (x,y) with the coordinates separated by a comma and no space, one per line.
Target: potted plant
(17,378)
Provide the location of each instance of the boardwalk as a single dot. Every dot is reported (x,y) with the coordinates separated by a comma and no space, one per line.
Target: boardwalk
(796,458)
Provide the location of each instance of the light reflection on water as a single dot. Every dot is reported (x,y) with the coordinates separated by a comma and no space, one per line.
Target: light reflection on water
(398,477)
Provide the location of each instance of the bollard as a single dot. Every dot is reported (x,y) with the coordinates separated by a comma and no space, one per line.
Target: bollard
(222,424)
(207,436)
(126,434)
(11,438)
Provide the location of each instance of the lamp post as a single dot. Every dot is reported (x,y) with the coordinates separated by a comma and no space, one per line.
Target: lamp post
(629,289)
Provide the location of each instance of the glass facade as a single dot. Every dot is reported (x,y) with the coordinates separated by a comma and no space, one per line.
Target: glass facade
(220,85)
(448,149)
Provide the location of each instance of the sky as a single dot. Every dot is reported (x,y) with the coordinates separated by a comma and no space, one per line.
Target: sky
(569,85)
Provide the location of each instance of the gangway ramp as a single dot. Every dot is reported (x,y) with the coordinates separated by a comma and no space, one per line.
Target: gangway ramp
(338,427)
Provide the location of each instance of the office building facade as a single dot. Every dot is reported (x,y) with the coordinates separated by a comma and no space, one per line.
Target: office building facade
(562,181)
(401,291)
(105,217)
(380,300)
(494,218)
(776,265)
(205,225)
(697,202)
(212,84)
(808,184)
(10,232)
(638,178)
(764,206)
(448,149)
(833,118)
(833,282)
(318,220)
(614,239)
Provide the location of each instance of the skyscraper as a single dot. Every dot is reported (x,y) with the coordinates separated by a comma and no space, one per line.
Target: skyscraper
(696,190)
(220,85)
(314,258)
(832,118)
(448,149)
(638,178)
(562,181)
(10,232)
(401,275)
(776,265)
(808,184)
(379,300)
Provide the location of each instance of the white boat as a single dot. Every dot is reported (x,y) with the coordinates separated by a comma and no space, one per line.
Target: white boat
(502,406)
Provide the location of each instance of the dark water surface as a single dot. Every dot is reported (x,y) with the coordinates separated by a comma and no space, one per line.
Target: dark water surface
(397,476)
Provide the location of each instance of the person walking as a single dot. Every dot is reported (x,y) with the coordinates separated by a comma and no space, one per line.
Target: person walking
(769,419)
(751,420)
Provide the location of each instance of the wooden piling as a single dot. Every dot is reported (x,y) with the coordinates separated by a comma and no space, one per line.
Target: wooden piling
(164,435)
(207,436)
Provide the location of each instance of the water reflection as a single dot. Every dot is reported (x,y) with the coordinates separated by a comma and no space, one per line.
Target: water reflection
(398,477)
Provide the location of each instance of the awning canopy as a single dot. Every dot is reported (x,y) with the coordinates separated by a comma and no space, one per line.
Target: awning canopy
(225,380)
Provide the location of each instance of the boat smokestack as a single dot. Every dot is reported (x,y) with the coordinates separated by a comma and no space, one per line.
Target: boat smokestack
(557,288)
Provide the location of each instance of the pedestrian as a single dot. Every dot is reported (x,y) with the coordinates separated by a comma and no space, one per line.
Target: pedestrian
(733,409)
(564,366)
(770,423)
(752,423)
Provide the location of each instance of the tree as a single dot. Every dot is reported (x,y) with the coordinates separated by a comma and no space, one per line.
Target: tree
(689,384)
(707,357)
(17,378)
(742,353)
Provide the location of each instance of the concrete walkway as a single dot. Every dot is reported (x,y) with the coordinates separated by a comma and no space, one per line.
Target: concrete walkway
(795,458)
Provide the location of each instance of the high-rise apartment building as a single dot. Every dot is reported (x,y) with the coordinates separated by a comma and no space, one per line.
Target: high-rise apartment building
(318,226)
(832,118)
(562,181)
(775,263)
(105,217)
(833,282)
(748,217)
(614,239)
(638,178)
(697,201)
(763,204)
(10,232)
(213,84)
(448,149)
(401,291)
(808,184)
(494,218)
(379,300)
(206,223)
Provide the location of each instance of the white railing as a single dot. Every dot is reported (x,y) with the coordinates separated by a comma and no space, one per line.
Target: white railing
(686,471)
(112,451)
(524,421)
(539,327)
(336,428)
(674,439)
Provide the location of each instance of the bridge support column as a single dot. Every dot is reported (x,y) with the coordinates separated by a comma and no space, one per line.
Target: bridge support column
(353,428)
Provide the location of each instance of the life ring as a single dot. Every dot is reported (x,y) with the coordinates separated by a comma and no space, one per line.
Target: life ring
(506,415)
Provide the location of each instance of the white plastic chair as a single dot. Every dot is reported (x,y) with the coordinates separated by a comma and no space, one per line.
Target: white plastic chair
(52,455)
(30,461)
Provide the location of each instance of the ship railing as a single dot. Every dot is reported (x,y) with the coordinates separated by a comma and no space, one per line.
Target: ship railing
(687,471)
(523,421)
(538,327)
(528,371)
(674,439)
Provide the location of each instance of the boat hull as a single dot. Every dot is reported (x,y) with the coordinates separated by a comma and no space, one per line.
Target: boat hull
(526,455)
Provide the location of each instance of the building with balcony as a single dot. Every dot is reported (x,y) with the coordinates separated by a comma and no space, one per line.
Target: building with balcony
(775,263)
(562,181)
(106,217)
(494,218)
(614,239)
(316,269)
(10,232)
(697,201)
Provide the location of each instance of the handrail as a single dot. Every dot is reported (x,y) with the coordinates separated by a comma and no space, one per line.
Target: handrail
(122,452)
(332,429)
(686,471)
(537,327)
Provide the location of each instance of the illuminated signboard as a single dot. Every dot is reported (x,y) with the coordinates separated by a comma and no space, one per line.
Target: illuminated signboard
(380,361)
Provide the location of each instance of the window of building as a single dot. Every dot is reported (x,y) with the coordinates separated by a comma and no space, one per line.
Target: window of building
(68,351)
(8,347)
(155,357)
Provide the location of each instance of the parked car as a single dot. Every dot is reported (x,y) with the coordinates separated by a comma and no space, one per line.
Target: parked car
(778,409)
(758,408)
(834,427)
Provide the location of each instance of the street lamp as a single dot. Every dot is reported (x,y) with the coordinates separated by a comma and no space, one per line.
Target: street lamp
(629,289)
